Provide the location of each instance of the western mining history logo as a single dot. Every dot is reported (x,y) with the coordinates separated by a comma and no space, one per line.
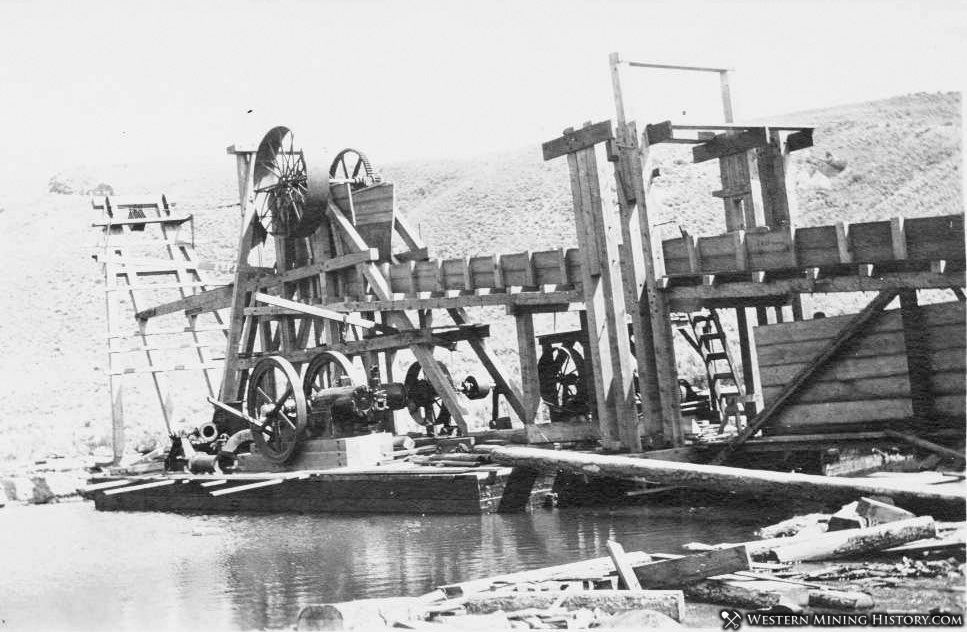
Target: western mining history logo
(733,620)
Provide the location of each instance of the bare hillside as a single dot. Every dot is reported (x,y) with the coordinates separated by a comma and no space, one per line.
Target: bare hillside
(900,156)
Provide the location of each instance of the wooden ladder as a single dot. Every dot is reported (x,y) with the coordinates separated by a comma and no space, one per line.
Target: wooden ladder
(708,339)
(142,243)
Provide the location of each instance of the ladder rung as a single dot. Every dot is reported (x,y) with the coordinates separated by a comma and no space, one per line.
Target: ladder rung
(165,369)
(721,377)
(122,243)
(171,219)
(164,286)
(716,355)
(170,332)
(707,337)
(142,348)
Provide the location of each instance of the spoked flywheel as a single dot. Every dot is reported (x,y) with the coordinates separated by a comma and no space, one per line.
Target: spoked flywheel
(275,399)
(424,404)
(561,374)
(351,165)
(289,200)
(328,370)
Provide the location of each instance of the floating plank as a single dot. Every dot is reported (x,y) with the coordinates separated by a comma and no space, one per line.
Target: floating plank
(718,478)
(852,542)
(578,139)
(249,486)
(691,568)
(136,488)
(625,571)
(670,603)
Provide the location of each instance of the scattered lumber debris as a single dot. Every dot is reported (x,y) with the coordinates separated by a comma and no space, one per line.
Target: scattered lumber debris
(809,523)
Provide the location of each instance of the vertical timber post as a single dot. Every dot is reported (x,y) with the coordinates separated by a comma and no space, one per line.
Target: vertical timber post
(634,263)
(598,237)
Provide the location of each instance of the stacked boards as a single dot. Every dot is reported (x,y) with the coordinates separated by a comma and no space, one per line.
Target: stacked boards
(869,385)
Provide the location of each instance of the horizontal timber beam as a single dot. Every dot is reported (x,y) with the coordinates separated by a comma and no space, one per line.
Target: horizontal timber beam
(564,301)
(578,139)
(822,285)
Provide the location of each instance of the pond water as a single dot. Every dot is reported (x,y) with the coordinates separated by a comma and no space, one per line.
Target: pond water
(67,566)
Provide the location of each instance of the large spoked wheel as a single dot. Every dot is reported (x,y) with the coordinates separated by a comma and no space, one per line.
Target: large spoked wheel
(274,399)
(352,165)
(560,372)
(287,203)
(424,403)
(328,370)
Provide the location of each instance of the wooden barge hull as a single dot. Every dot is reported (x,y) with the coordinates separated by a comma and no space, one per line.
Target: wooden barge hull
(412,491)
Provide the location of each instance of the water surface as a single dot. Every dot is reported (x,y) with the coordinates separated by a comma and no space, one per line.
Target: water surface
(67,566)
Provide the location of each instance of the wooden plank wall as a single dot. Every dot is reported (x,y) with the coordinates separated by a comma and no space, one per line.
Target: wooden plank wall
(921,239)
(870,384)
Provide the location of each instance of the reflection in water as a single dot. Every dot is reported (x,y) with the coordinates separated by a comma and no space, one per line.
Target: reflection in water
(67,566)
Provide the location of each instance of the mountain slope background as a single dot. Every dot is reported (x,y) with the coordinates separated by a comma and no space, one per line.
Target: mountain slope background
(875,160)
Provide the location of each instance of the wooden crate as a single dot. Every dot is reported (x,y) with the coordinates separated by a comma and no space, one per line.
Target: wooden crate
(680,256)
(933,238)
(722,253)
(772,250)
(874,242)
(516,270)
(485,272)
(819,246)
(549,267)
(456,274)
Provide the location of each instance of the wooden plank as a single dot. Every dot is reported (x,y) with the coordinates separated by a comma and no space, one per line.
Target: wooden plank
(835,346)
(244,488)
(136,488)
(401,278)
(527,350)
(319,312)
(691,568)
(718,478)
(835,390)
(844,369)
(730,144)
(625,571)
(576,140)
(810,418)
(926,445)
(918,356)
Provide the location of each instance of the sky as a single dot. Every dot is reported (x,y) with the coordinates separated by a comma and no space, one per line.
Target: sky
(98,82)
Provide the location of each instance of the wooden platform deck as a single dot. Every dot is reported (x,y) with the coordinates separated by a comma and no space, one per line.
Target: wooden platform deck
(396,488)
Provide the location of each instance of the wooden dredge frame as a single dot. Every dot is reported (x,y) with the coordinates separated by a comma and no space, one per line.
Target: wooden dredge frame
(618,274)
